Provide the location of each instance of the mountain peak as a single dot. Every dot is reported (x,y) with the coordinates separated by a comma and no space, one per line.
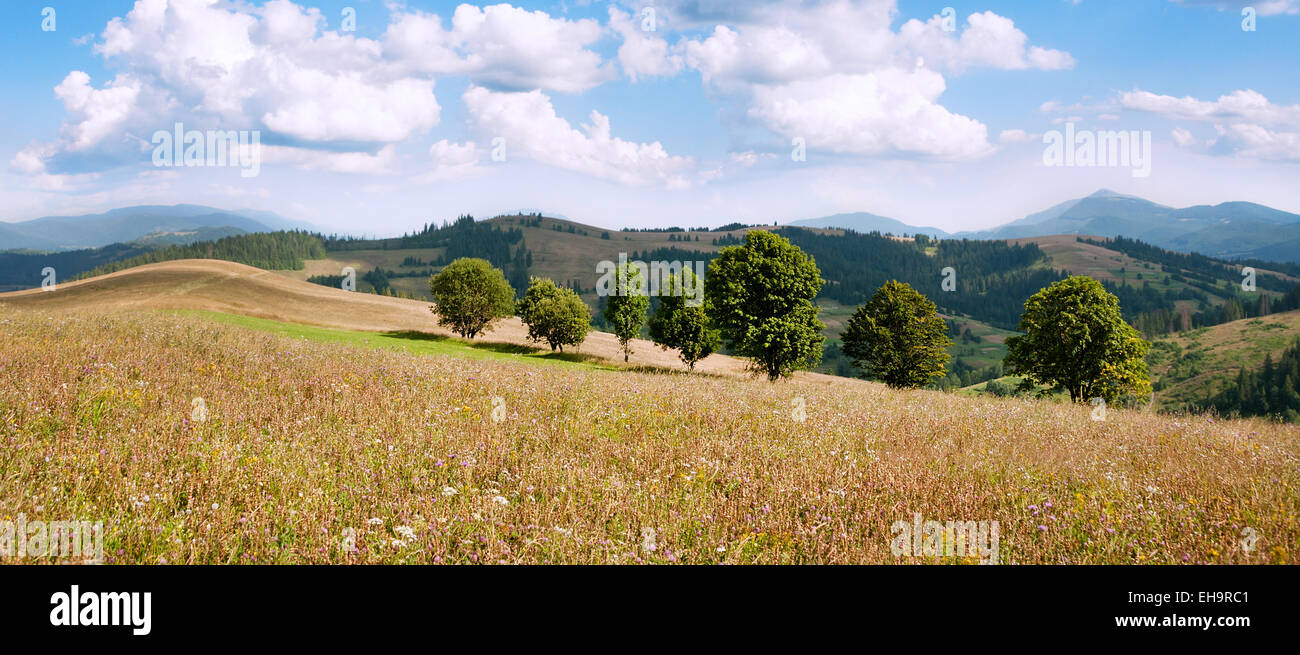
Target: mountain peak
(1105,193)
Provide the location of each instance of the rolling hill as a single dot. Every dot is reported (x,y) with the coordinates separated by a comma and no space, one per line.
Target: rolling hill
(998,276)
(568,252)
(1189,367)
(228,288)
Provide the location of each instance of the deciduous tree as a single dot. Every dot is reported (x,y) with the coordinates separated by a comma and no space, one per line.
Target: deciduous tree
(679,326)
(759,295)
(898,337)
(1076,340)
(469,294)
(554,314)
(626,307)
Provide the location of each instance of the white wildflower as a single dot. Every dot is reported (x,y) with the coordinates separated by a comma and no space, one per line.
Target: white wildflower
(648,540)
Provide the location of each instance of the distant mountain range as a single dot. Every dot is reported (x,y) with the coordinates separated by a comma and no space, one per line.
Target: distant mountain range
(864,222)
(1230,230)
(127,224)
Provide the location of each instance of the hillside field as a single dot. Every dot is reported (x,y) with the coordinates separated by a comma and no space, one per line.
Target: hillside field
(1192,366)
(318,438)
(209,285)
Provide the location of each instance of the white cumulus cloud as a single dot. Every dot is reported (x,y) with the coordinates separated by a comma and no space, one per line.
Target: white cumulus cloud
(528,123)
(836,74)
(988,40)
(643,53)
(502,47)
(1246,122)
(878,113)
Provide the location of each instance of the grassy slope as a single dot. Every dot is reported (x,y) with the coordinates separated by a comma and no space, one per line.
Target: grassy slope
(563,256)
(230,288)
(415,342)
(1195,364)
(1099,263)
(1192,366)
(486,460)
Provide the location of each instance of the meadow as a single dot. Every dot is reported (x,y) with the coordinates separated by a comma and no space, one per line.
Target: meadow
(313,448)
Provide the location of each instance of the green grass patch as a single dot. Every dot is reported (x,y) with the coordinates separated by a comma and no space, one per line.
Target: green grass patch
(424,343)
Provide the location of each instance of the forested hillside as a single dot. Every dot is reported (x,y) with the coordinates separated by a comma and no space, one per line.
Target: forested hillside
(1209,289)
(1161,293)
(1268,391)
(270,250)
(22,270)
(992,278)
(464,237)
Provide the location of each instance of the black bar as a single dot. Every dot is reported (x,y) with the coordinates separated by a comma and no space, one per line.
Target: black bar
(944,606)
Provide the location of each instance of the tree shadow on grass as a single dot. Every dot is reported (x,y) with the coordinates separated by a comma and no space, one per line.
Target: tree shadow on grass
(534,352)
(502,347)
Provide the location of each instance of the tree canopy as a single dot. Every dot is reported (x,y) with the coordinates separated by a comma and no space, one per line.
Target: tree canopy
(554,314)
(1076,340)
(898,337)
(682,327)
(626,307)
(759,295)
(469,294)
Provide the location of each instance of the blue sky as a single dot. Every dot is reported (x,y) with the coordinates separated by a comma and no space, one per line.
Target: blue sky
(693,122)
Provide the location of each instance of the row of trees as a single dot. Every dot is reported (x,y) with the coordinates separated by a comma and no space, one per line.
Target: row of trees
(758,299)
(1074,340)
(470,295)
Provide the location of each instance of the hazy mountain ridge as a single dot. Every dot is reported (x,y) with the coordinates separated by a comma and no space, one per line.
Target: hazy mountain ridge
(127,224)
(1228,230)
(1232,230)
(866,222)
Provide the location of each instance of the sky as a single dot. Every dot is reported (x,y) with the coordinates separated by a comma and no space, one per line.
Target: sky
(372,118)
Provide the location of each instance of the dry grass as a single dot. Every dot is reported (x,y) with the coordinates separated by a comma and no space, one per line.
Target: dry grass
(305,442)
